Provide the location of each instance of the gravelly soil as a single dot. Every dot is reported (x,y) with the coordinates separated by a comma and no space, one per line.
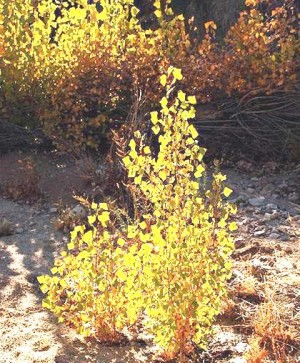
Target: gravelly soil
(28,332)
(268,243)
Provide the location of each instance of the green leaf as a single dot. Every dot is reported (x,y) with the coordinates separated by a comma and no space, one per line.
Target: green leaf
(103,206)
(163,80)
(91,219)
(156,129)
(126,161)
(193,132)
(88,237)
(192,100)
(71,246)
(181,96)
(158,13)
(177,74)
(164,102)
(227,191)
(199,171)
(41,279)
(233,227)
(121,242)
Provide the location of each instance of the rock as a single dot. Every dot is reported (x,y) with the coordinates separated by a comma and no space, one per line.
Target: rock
(274,235)
(267,217)
(238,200)
(78,212)
(267,188)
(284,264)
(225,337)
(293,197)
(241,347)
(283,229)
(53,210)
(294,212)
(19,230)
(238,360)
(270,167)
(250,190)
(271,216)
(6,228)
(283,186)
(285,238)
(238,275)
(257,201)
(260,233)
(271,207)
(244,221)
(275,215)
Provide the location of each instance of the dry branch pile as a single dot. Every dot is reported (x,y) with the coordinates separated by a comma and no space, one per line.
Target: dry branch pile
(271,120)
(13,137)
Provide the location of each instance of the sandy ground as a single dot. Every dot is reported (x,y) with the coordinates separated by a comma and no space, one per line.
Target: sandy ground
(269,247)
(29,334)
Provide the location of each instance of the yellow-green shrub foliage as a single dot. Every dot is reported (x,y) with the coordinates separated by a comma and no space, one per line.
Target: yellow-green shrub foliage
(72,61)
(184,274)
(170,263)
(87,289)
(109,67)
(15,55)
(72,65)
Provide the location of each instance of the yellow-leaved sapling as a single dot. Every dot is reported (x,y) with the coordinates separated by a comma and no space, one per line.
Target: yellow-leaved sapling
(186,242)
(171,262)
(87,288)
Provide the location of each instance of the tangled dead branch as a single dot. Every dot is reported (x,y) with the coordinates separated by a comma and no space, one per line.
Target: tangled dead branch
(272,121)
(13,137)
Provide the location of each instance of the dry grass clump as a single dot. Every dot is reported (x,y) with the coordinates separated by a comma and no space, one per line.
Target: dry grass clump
(24,184)
(267,313)
(256,353)
(275,333)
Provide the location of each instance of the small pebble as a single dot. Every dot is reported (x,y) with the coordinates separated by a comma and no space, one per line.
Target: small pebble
(267,217)
(275,215)
(293,197)
(260,233)
(274,235)
(271,206)
(238,360)
(241,347)
(257,201)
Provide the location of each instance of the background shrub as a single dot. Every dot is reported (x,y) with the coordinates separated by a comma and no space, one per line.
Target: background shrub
(73,67)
